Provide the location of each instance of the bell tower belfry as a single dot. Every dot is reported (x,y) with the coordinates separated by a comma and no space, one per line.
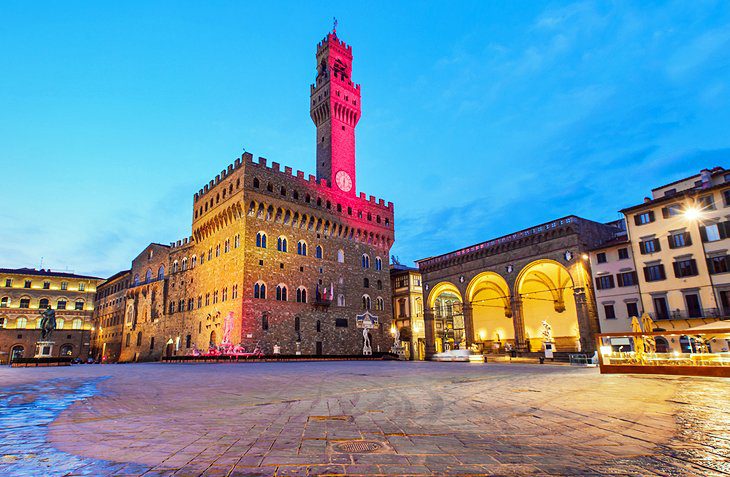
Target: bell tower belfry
(335,110)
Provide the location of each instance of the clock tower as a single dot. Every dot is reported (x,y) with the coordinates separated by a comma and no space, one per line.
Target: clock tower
(335,110)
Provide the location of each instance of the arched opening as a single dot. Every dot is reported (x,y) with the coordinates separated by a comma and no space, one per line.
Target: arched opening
(212,338)
(662,345)
(489,297)
(446,304)
(16,352)
(545,289)
(67,350)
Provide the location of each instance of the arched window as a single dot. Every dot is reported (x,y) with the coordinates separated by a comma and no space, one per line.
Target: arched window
(281,292)
(136,279)
(148,276)
(67,350)
(378,263)
(184,264)
(366,282)
(259,290)
(79,305)
(366,302)
(379,304)
(301,295)
(256,183)
(193,261)
(175,266)
(59,323)
(340,300)
(302,248)
(76,324)
(318,252)
(264,321)
(341,256)
(43,303)
(21,323)
(297,323)
(281,244)
(380,284)
(365,260)
(161,272)
(261,240)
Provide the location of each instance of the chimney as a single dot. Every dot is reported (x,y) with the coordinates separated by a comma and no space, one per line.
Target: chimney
(647,200)
(706,177)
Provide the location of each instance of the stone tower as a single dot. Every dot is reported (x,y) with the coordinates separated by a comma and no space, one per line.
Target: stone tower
(335,110)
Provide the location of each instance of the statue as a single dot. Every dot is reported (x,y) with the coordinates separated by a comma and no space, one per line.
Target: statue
(48,323)
(366,348)
(227,329)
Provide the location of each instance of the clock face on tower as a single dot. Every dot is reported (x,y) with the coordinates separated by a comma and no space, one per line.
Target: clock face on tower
(343,181)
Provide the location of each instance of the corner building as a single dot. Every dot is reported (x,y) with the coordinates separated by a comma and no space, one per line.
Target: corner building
(293,257)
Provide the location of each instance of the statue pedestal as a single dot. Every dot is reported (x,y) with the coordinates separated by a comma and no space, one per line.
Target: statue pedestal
(399,351)
(44,349)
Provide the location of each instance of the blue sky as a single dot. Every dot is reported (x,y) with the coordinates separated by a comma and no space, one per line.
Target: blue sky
(479,118)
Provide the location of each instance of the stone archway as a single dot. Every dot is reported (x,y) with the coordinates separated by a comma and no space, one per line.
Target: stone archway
(545,292)
(488,308)
(444,318)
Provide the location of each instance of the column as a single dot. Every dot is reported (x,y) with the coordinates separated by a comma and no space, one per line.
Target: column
(429,329)
(468,323)
(518,321)
(588,325)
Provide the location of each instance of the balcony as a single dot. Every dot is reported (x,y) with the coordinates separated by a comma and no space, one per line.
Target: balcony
(321,302)
(688,314)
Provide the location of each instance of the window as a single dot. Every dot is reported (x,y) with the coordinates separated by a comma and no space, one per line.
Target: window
(706,203)
(139,338)
(301,295)
(726,197)
(82,286)
(302,248)
(210,253)
(235,292)
(161,272)
(64,285)
(43,303)
(188,339)
(127,340)
(4,302)
(685,268)
(237,241)
(264,321)
(378,263)
(148,275)
(649,246)
(46,285)
(319,326)
(318,252)
(227,246)
(25,302)
(694,309)
(152,343)
(380,284)
(366,282)
(8,282)
(297,324)
(627,279)
(623,253)
(207,299)
(259,290)
(604,282)
(76,324)
(679,240)
(21,323)
(654,273)
(340,300)
(341,256)
(671,211)
(281,244)
(366,302)
(610,313)
(281,292)
(261,240)
(379,304)
(341,322)
(661,310)
(79,305)
(215,297)
(632,308)
(714,232)
(27,284)
(365,261)
(218,250)
(175,267)
(718,264)
(601,257)
(256,183)
(644,218)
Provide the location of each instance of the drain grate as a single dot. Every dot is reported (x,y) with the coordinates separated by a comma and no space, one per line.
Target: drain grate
(358,447)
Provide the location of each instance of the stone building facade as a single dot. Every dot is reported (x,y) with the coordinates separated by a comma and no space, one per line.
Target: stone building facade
(26,292)
(109,316)
(407,303)
(500,291)
(293,258)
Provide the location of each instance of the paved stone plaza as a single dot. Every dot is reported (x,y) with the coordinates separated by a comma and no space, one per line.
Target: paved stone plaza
(297,419)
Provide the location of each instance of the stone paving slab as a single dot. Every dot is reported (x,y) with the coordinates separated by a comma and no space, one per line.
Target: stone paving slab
(289,419)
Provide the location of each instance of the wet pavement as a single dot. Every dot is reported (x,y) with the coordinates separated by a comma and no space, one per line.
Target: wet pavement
(359,418)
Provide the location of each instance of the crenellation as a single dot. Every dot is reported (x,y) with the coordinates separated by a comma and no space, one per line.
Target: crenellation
(287,170)
(275,166)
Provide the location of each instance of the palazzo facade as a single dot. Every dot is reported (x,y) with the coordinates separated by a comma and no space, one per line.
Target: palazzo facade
(292,258)
(499,292)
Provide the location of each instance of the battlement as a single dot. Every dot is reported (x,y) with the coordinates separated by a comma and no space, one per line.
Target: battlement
(330,41)
(222,176)
(311,181)
(187,241)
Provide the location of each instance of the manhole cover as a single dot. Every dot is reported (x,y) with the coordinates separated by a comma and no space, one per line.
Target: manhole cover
(358,447)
